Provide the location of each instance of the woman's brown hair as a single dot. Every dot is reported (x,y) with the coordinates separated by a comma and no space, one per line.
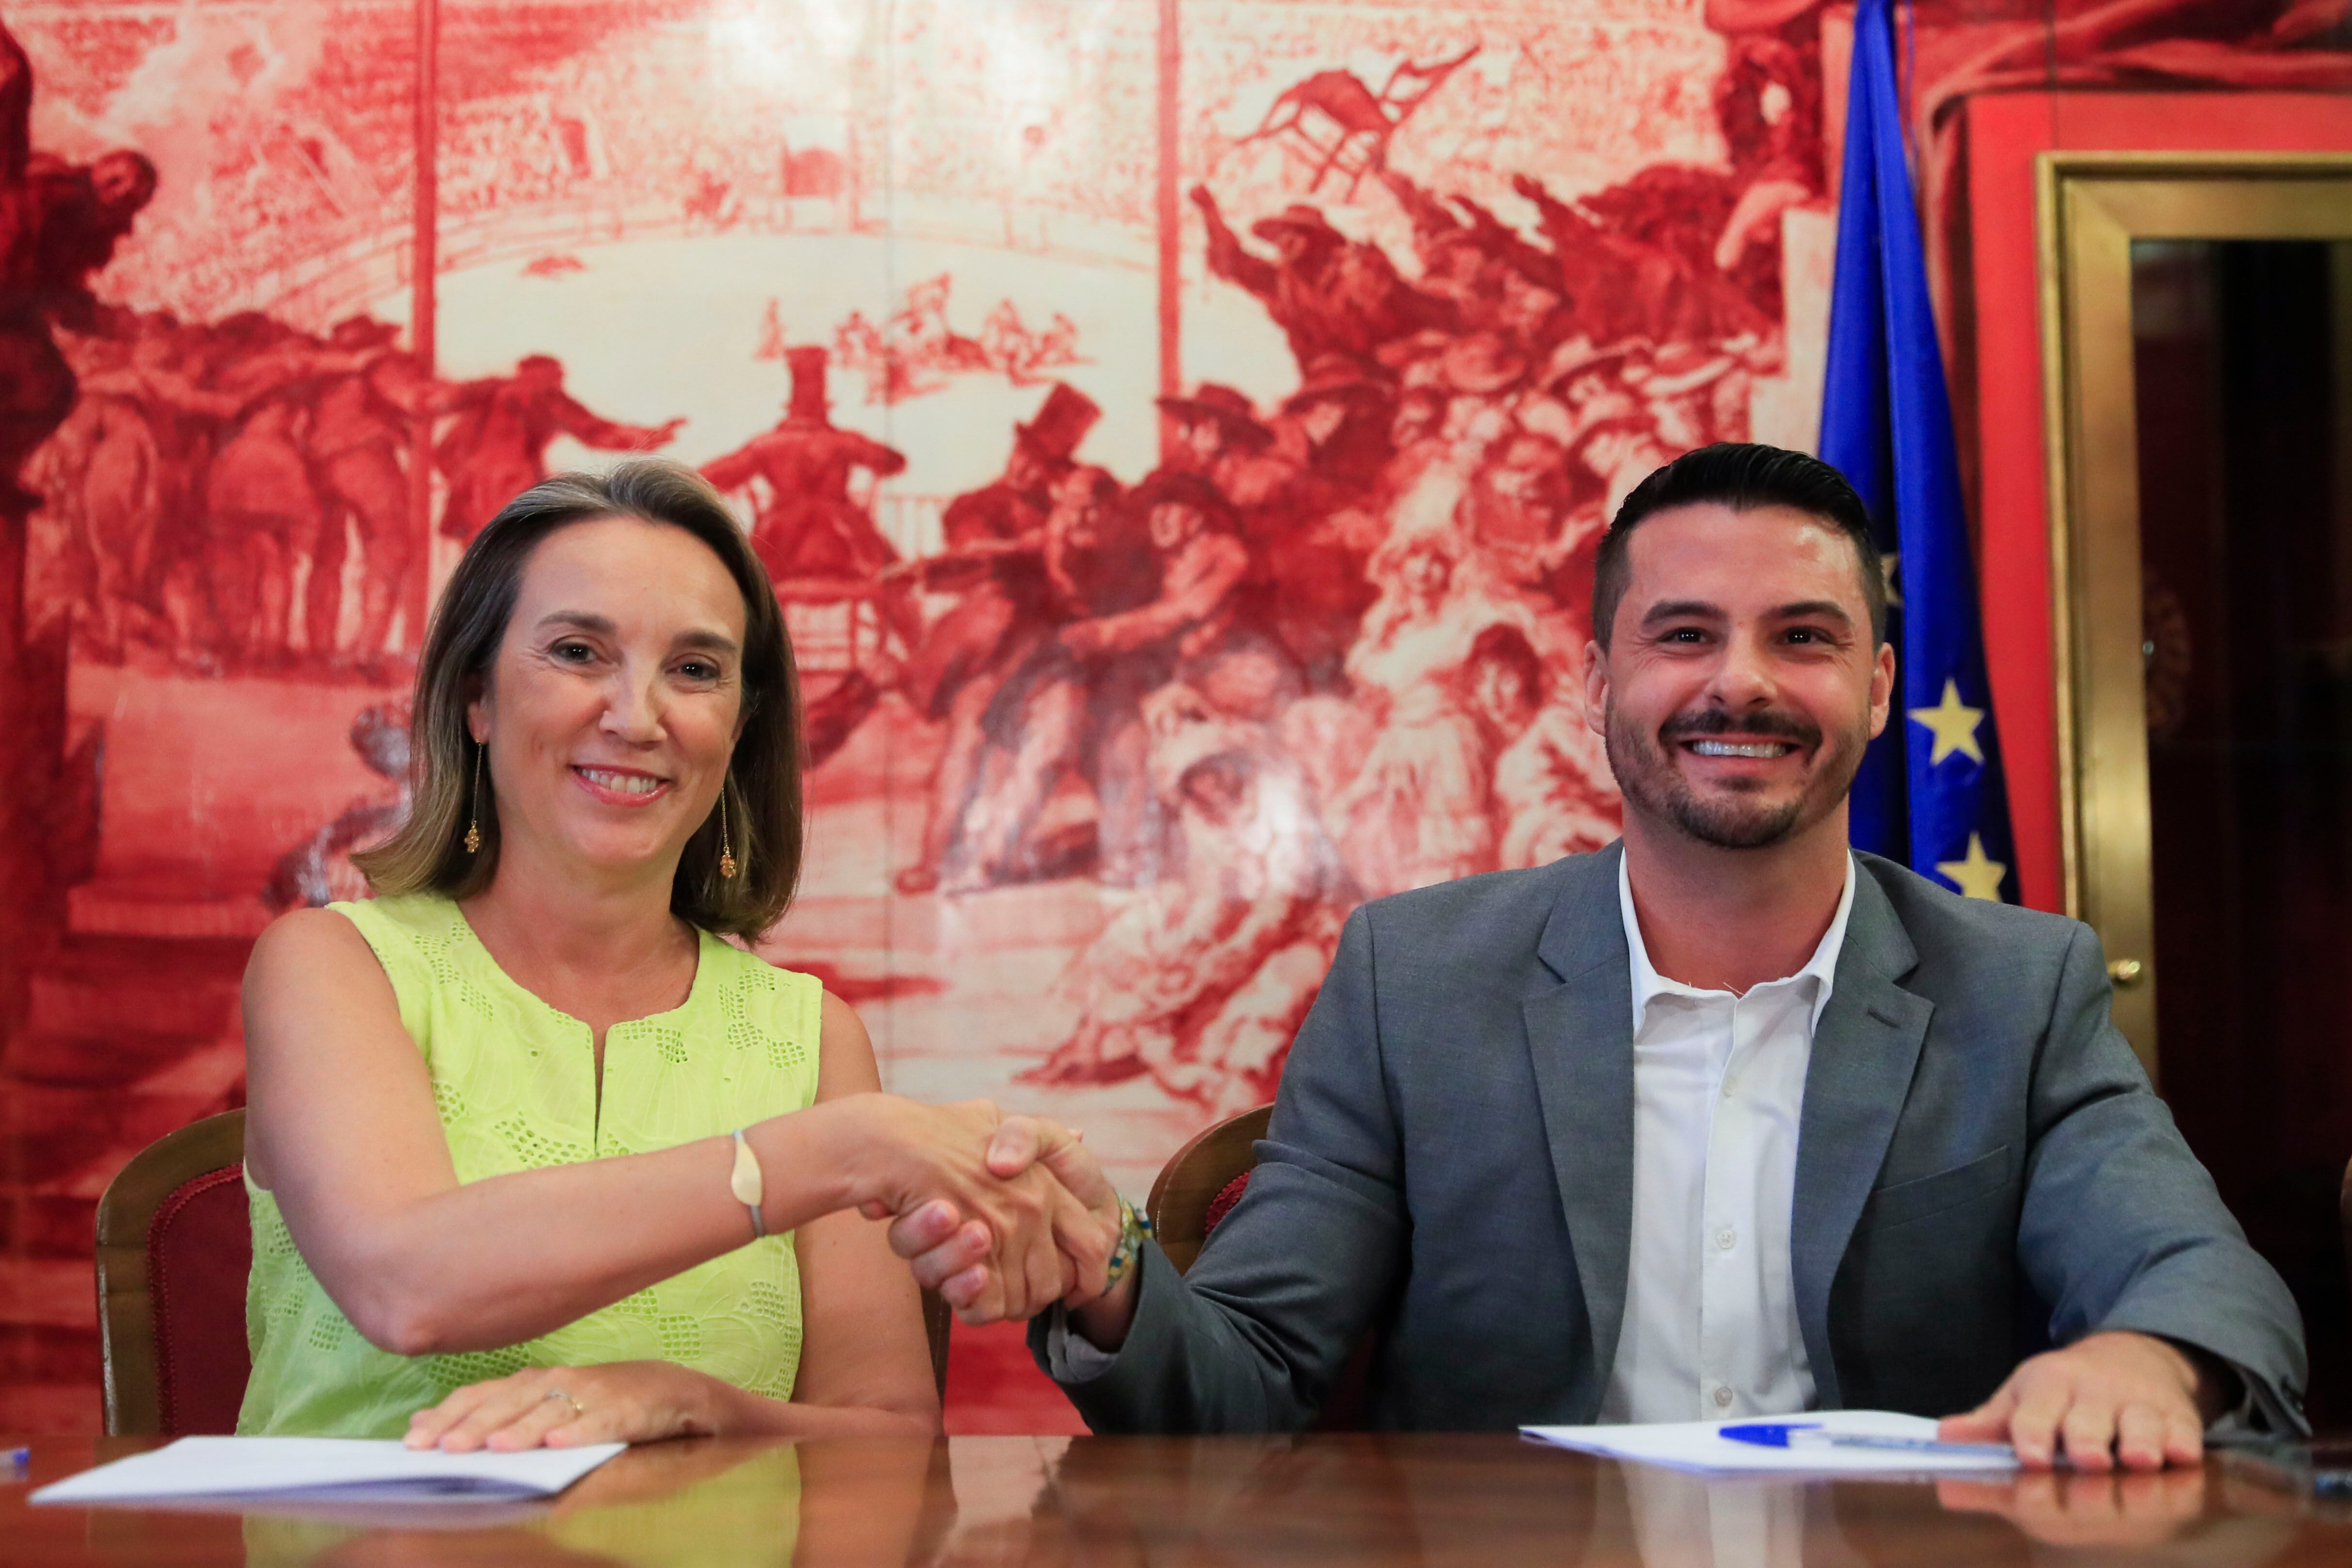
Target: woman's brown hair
(762,791)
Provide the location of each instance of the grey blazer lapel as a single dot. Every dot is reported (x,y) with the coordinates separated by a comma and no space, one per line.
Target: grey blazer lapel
(1580,1037)
(1864,1052)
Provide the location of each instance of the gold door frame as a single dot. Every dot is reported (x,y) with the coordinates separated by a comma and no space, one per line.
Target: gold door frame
(2093,206)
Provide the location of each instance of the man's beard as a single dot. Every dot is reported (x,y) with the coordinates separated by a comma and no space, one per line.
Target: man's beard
(1731,820)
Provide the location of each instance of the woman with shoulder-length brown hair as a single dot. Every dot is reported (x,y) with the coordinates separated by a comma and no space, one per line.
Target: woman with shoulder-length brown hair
(533,1154)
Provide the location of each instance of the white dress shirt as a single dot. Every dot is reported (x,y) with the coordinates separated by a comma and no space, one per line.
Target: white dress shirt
(1710,1327)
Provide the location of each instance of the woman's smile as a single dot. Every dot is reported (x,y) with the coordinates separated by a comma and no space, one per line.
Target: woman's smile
(621,786)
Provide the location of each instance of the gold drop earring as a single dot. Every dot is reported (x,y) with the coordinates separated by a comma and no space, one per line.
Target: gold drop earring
(474,805)
(726,852)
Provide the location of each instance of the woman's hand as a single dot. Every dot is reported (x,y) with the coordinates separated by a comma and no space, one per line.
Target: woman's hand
(565,1407)
(951,1255)
(900,1156)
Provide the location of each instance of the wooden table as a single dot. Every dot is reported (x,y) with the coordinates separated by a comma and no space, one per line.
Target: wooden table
(1000,1502)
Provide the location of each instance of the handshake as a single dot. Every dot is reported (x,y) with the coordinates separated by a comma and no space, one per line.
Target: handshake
(1003,1215)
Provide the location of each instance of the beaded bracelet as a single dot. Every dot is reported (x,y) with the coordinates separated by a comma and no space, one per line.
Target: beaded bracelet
(1132,1228)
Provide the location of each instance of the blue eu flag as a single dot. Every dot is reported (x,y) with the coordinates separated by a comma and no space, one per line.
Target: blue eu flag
(1929,793)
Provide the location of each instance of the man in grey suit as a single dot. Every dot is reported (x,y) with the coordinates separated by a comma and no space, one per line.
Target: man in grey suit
(1722,1120)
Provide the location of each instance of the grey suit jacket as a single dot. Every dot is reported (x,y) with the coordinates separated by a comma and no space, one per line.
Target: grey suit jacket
(1983,1171)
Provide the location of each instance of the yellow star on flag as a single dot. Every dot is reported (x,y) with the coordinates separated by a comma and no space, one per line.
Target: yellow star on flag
(1976,877)
(1954,723)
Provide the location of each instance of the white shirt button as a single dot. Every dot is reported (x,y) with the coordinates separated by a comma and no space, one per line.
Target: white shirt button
(1726,1238)
(1723,1397)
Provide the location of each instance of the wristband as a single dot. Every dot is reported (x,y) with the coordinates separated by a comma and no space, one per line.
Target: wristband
(747,1184)
(1132,1228)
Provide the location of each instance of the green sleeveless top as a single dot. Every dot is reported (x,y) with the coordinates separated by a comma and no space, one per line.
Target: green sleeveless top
(513,1079)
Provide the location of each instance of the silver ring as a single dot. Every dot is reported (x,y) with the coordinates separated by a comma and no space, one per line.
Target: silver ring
(578,1410)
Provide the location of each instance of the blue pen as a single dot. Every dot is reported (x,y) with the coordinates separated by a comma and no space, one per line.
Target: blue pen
(1809,1434)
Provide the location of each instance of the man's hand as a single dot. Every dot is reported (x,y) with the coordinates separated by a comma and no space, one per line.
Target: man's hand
(2109,1399)
(951,1255)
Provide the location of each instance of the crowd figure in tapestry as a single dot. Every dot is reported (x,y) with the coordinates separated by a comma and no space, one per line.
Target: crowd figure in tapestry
(59,223)
(192,474)
(917,351)
(207,467)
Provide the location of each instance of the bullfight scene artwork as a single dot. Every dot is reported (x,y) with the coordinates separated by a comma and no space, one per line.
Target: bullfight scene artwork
(1179,437)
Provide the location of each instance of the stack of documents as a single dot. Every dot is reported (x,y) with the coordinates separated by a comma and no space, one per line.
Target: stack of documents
(1824,1442)
(326,1470)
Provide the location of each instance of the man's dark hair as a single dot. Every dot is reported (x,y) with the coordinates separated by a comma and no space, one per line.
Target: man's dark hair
(1743,476)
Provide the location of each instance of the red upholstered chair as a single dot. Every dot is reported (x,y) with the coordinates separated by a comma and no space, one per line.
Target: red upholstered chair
(174,1246)
(1195,1190)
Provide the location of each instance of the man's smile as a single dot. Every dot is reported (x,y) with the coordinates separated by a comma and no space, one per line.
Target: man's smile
(1761,749)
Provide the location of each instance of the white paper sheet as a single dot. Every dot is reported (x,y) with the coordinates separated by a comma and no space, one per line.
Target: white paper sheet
(328,1469)
(1698,1446)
